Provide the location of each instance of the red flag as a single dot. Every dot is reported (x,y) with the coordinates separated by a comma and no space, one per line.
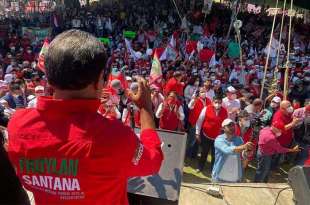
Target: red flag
(190,46)
(41,58)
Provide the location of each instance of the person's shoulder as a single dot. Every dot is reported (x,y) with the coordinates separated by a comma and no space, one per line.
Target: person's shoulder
(220,138)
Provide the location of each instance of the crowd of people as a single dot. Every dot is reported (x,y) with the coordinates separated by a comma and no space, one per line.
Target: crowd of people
(206,89)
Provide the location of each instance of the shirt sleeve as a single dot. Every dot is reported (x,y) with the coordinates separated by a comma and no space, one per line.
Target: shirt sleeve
(223,147)
(159,110)
(181,113)
(274,143)
(124,116)
(200,120)
(118,114)
(146,153)
(191,104)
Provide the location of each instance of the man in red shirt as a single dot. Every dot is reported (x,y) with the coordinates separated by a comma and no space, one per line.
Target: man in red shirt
(174,84)
(210,121)
(195,107)
(284,116)
(64,151)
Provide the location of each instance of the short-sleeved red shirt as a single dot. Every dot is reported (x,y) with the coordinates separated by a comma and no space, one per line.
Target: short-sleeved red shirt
(67,153)
(287,135)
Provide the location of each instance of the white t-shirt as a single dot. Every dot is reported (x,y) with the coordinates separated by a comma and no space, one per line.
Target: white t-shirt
(230,105)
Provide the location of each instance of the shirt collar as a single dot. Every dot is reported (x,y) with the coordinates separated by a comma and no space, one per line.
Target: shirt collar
(67,106)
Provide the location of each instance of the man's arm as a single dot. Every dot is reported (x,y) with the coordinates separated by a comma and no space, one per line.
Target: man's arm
(147,156)
(200,120)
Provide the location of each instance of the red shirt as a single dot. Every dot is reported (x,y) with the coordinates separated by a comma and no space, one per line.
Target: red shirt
(65,152)
(287,135)
(246,137)
(212,124)
(174,85)
(195,112)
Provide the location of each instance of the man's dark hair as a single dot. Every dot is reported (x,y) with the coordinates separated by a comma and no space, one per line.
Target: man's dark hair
(14,86)
(217,97)
(74,60)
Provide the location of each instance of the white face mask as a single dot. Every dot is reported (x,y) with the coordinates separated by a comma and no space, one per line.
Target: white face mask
(196,84)
(217,106)
(290,109)
(247,124)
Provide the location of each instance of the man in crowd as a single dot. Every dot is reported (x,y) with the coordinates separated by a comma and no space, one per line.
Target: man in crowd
(231,103)
(82,140)
(210,121)
(174,84)
(268,148)
(195,106)
(228,148)
(170,113)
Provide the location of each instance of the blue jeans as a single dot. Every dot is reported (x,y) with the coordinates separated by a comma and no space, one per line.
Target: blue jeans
(263,167)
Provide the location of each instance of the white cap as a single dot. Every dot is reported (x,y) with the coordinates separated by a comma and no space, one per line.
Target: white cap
(128,78)
(38,88)
(227,122)
(231,89)
(276,99)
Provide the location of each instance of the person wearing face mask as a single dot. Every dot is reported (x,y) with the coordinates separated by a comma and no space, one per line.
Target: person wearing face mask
(170,113)
(210,120)
(268,148)
(195,106)
(209,89)
(284,116)
(245,131)
(190,89)
(131,113)
(217,87)
(270,110)
(228,150)
(12,96)
(39,91)
(231,103)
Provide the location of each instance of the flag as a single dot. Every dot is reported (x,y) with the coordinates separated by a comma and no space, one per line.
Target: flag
(169,53)
(55,21)
(156,72)
(104,40)
(41,58)
(199,46)
(129,34)
(190,46)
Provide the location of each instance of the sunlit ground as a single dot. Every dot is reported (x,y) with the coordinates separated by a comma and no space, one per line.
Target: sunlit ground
(190,174)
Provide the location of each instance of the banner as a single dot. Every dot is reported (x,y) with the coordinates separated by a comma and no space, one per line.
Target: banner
(105,41)
(36,32)
(129,34)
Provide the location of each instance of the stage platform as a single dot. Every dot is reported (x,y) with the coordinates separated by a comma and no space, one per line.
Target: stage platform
(234,194)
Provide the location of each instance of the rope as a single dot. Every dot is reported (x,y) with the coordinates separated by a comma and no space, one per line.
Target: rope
(274,84)
(177,9)
(288,56)
(280,36)
(268,52)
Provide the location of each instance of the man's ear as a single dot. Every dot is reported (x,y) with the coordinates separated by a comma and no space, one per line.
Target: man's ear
(100,82)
